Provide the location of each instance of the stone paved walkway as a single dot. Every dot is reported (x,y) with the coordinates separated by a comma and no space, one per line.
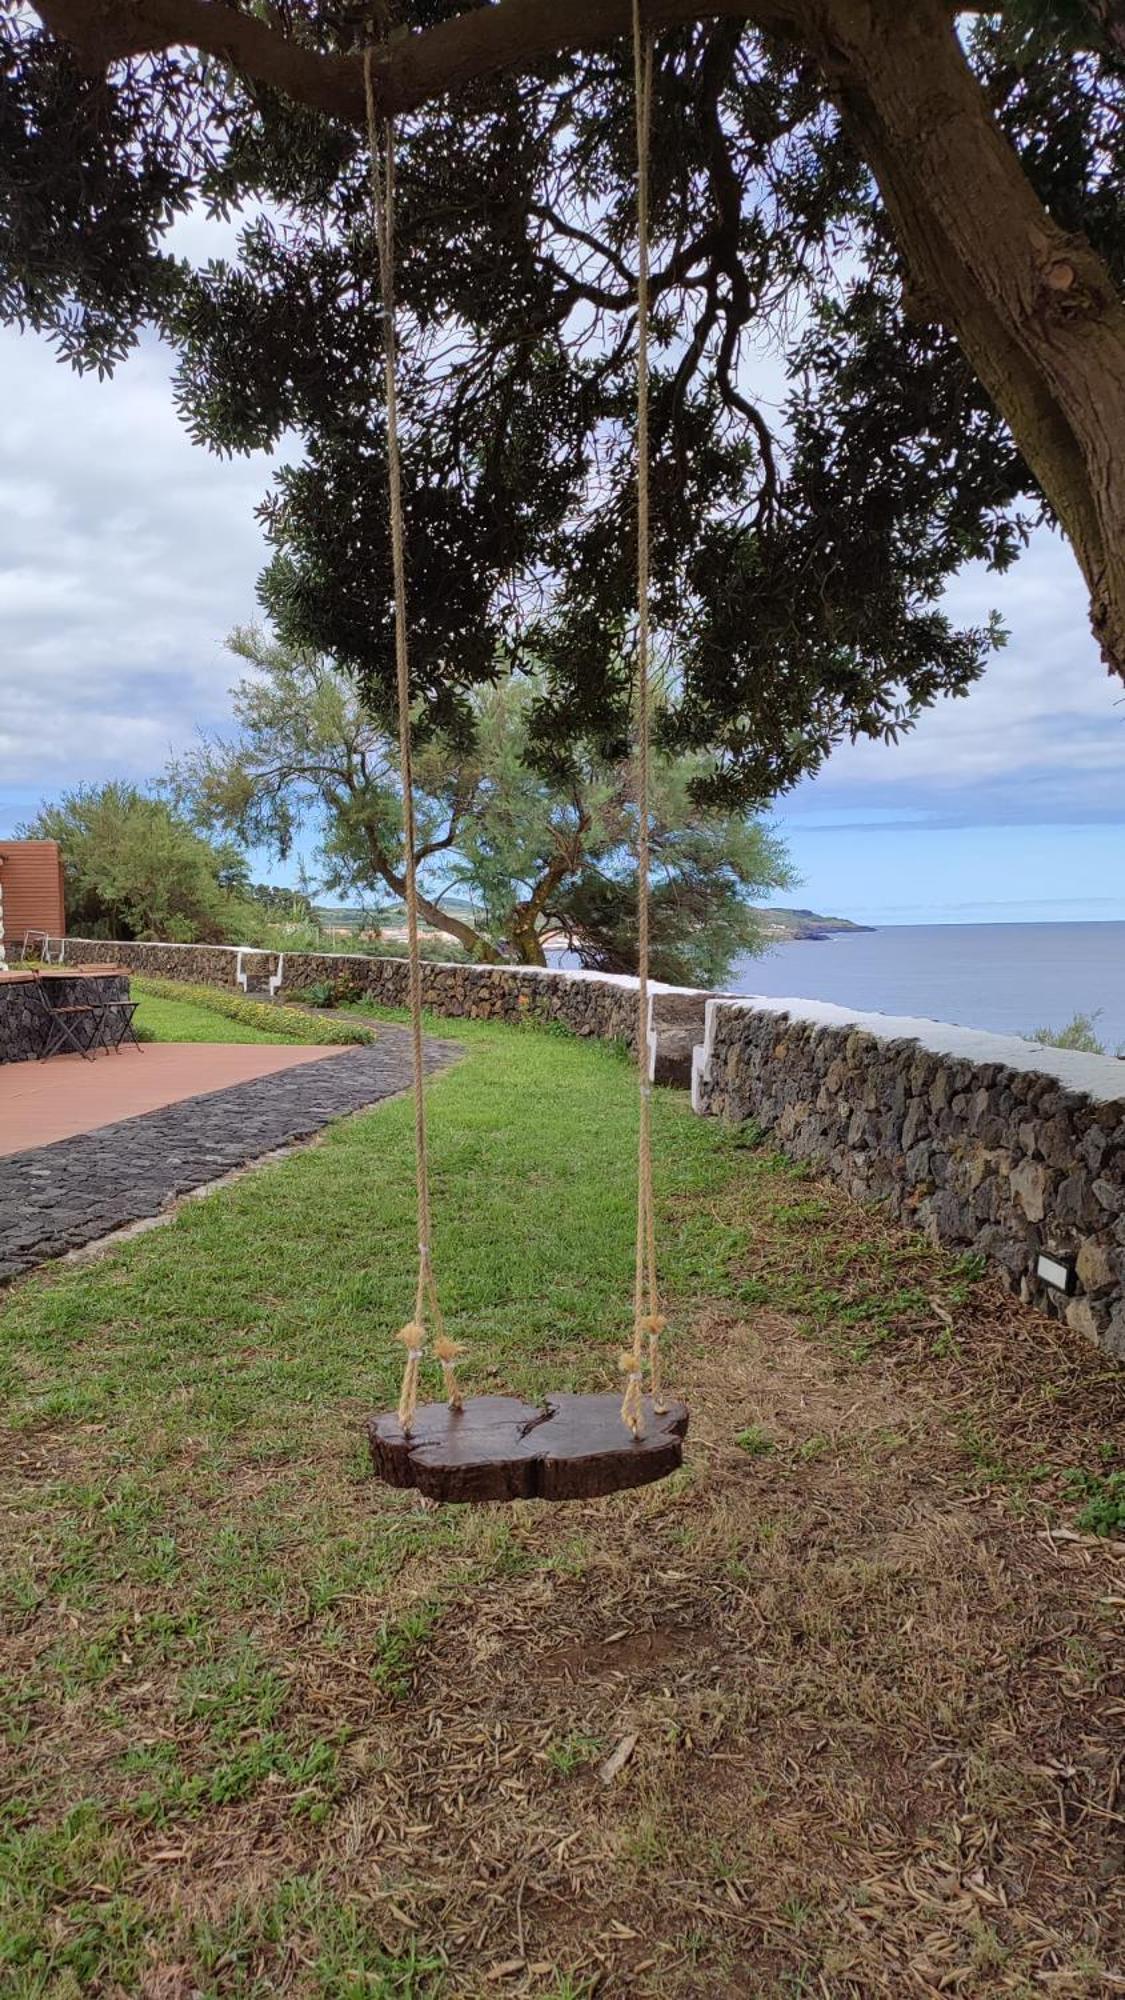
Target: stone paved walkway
(56,1198)
(44,1101)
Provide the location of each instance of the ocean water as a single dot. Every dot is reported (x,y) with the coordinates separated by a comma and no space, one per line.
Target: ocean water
(1012,978)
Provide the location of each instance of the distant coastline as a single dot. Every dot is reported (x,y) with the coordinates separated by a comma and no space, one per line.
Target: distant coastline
(778,926)
(804,926)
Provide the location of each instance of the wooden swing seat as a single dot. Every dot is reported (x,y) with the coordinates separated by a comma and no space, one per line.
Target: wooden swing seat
(497,1448)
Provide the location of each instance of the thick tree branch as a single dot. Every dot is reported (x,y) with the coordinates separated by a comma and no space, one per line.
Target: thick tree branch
(1034,310)
(410,71)
(526,917)
(431,912)
(415,68)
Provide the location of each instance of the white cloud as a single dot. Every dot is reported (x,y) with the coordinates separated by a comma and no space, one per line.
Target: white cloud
(1041,736)
(126,554)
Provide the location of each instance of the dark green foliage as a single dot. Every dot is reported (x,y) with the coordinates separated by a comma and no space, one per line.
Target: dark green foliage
(92,174)
(338,992)
(803,532)
(287,905)
(704,873)
(318,993)
(1079,25)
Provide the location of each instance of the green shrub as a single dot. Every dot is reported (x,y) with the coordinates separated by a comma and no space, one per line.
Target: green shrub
(285,1024)
(437,950)
(1080,1032)
(339,992)
(318,993)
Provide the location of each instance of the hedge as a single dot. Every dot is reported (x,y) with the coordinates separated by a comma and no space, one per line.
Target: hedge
(285,1023)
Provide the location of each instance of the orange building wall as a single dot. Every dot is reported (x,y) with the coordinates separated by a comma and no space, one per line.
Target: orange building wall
(31,884)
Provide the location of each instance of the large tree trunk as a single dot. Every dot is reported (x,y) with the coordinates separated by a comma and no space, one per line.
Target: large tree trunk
(1033,309)
(525,945)
(432,913)
(526,919)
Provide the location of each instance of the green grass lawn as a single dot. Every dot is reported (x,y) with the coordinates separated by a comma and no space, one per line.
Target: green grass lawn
(268,1728)
(182,1021)
(532,1151)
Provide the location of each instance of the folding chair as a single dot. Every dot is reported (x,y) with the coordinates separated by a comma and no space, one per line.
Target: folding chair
(63,1026)
(116,1032)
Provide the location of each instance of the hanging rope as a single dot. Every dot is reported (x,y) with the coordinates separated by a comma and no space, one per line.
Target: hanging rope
(648,1321)
(413,1334)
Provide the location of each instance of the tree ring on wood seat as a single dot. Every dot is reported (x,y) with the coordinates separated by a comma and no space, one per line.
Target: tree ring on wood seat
(497,1448)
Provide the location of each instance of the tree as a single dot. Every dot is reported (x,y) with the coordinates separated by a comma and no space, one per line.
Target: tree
(554,853)
(134,868)
(919,206)
(706,868)
(539,854)
(289,906)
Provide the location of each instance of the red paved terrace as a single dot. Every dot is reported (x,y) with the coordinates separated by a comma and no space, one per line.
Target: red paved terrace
(44,1101)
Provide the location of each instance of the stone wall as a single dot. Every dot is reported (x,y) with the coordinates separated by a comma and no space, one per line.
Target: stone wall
(21,1020)
(588,1003)
(986,1142)
(24,1025)
(206,965)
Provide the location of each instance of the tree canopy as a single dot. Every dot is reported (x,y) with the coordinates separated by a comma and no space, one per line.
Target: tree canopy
(136,868)
(538,855)
(917,239)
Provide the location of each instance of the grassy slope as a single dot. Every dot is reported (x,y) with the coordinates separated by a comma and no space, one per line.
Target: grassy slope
(271,1729)
(181,1021)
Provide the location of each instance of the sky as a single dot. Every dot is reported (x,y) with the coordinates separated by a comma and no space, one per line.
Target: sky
(127,554)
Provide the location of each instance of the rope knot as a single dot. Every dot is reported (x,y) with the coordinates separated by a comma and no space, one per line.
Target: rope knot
(632,1403)
(413,1337)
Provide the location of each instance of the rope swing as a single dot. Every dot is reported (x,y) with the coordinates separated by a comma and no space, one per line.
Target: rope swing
(413,1334)
(648,1321)
(495,1447)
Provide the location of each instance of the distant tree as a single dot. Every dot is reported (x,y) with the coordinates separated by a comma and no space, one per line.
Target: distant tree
(536,852)
(706,868)
(285,905)
(555,854)
(135,867)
